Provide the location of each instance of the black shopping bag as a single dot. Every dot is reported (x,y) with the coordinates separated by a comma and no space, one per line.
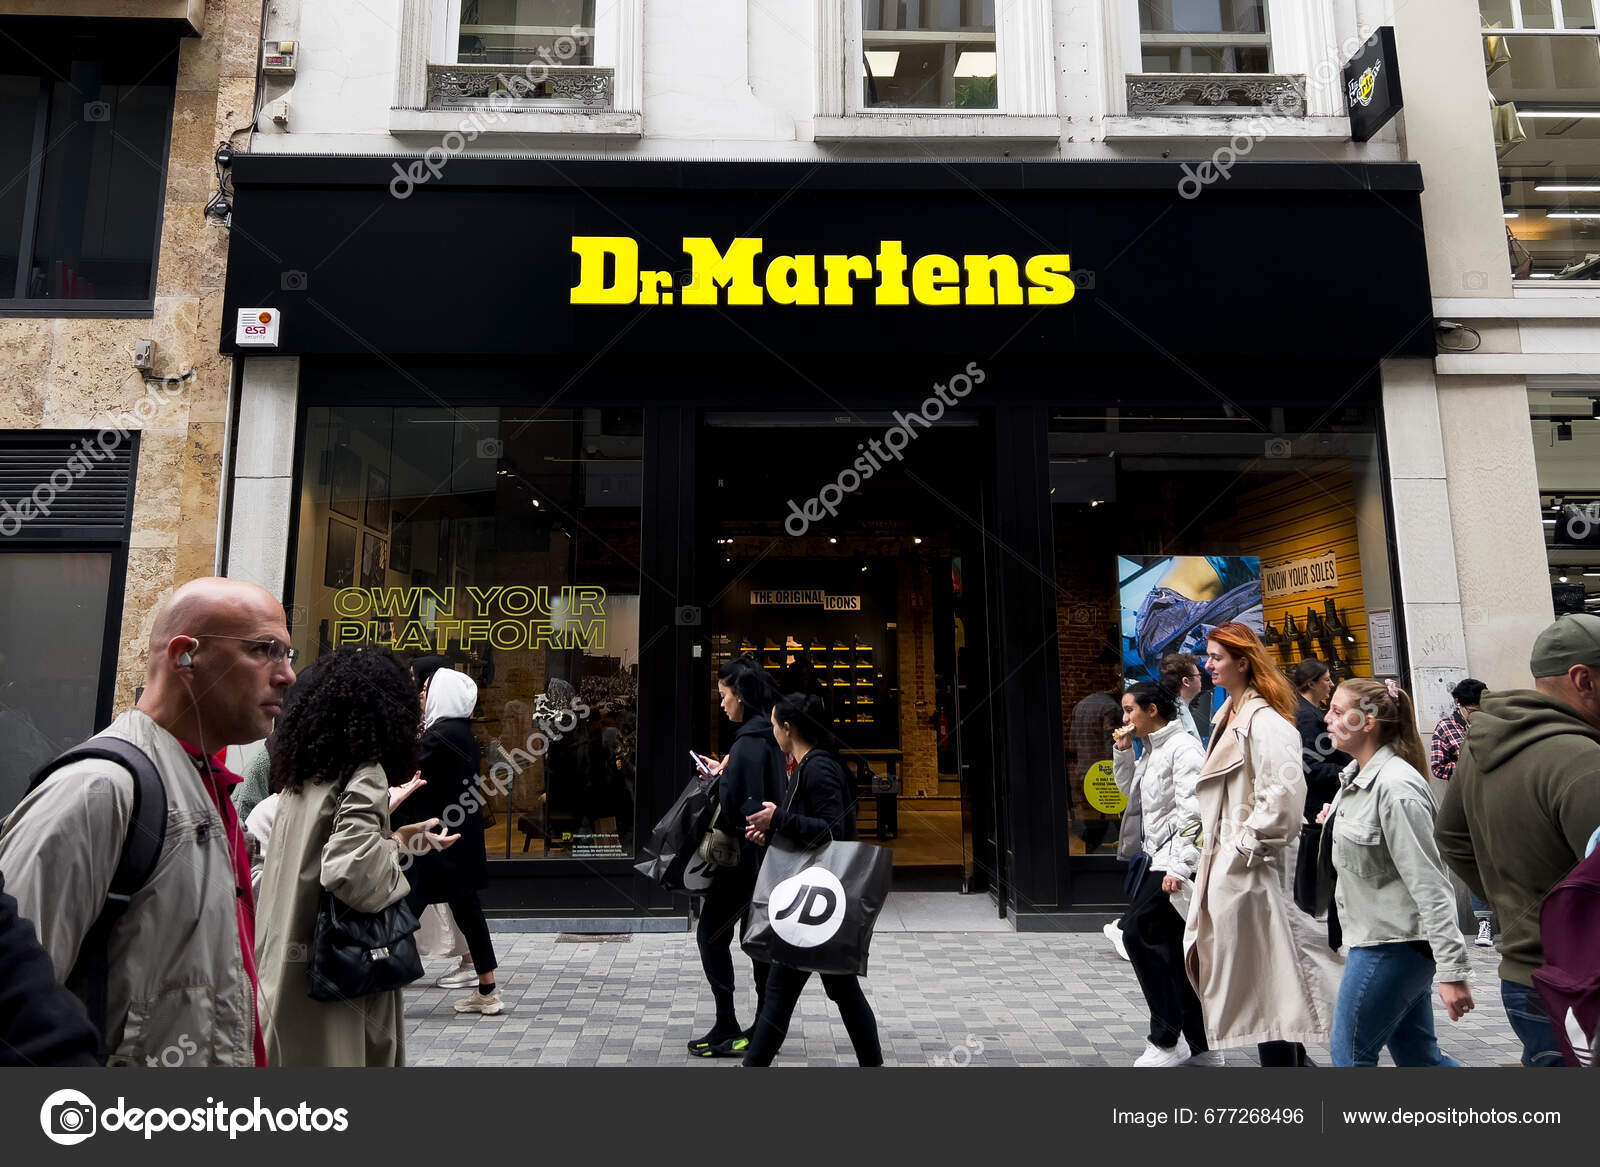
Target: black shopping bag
(669,853)
(815,910)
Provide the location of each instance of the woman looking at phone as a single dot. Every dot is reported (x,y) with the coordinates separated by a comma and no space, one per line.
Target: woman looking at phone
(750,775)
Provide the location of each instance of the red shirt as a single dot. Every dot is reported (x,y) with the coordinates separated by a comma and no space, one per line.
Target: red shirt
(220,781)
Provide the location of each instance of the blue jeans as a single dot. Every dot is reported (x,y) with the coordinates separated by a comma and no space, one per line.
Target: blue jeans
(1529,1021)
(1480,910)
(1386,999)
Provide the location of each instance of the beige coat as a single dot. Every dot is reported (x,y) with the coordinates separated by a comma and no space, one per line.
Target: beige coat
(1261,966)
(177,987)
(335,838)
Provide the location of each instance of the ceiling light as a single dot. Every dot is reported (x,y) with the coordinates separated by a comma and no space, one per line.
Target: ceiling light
(832,539)
(882,63)
(1511,215)
(971,64)
(916,538)
(1572,214)
(1561,579)
(1543,275)
(1566,186)
(1588,112)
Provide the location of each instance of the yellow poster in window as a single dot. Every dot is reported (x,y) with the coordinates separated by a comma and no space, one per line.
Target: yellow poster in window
(1100,788)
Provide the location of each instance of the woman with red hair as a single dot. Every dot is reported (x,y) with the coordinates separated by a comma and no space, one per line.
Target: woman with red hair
(1262,971)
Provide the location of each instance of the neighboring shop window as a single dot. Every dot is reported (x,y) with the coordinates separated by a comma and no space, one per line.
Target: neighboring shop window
(1204,36)
(84,121)
(506,541)
(1566,445)
(929,55)
(1542,58)
(1171,520)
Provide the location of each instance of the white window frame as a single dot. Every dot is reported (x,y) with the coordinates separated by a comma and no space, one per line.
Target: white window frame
(1304,36)
(428,36)
(1559,9)
(1025,82)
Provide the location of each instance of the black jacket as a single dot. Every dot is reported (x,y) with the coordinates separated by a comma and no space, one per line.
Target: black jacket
(41,1023)
(1322,762)
(754,770)
(819,805)
(449,755)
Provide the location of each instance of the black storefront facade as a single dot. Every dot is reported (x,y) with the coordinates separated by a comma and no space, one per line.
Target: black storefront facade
(947,443)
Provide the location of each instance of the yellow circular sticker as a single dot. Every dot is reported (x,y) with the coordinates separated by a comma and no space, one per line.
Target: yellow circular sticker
(1100,788)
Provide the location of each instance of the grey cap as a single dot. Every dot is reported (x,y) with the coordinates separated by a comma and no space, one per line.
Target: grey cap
(1574,639)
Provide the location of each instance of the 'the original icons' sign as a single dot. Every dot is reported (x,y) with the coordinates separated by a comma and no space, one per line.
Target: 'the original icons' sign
(1318,573)
(1372,85)
(805,597)
(256,328)
(740,276)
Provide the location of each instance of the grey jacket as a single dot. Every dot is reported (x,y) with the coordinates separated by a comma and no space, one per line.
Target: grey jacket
(1392,885)
(178,991)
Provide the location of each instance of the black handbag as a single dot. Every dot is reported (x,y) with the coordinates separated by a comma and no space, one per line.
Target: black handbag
(360,954)
(1308,897)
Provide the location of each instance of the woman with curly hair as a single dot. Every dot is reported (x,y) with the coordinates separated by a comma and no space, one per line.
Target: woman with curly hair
(350,726)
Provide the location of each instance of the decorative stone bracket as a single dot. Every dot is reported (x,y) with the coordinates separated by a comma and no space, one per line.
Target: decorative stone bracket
(1283,95)
(452,86)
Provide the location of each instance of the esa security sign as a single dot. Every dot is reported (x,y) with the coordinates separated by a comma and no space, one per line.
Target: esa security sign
(256,328)
(1372,85)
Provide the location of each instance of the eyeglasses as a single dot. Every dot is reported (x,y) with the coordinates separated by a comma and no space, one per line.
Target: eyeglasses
(273,651)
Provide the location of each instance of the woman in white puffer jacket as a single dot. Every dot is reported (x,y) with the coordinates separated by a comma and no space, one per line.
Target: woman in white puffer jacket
(1165,775)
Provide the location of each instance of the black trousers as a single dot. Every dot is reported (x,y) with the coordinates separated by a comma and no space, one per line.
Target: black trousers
(1282,1053)
(473,924)
(784,986)
(726,903)
(1152,930)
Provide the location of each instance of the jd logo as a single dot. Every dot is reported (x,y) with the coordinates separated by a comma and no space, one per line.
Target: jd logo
(808,908)
(697,875)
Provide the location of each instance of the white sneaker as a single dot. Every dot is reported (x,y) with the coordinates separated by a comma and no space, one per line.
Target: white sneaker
(1113,933)
(1212,1058)
(1156,1058)
(459,977)
(1485,934)
(480,1003)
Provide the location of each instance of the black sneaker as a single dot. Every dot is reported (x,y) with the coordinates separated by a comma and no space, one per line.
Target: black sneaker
(712,1046)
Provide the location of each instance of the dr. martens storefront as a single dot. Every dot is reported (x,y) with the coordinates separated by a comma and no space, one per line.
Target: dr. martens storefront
(963,449)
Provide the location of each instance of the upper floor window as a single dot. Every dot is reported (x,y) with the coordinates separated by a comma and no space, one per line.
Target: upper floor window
(929,54)
(1542,58)
(85,115)
(522,32)
(1204,36)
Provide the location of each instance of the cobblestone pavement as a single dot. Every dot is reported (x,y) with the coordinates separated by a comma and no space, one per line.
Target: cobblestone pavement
(984,999)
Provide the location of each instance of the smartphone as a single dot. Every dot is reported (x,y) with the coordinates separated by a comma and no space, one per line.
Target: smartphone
(751,806)
(699,763)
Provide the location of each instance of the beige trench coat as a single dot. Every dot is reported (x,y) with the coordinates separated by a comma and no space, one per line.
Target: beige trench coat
(336,838)
(1261,967)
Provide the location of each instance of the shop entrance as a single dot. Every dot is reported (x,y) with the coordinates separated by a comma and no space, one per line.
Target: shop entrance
(872,598)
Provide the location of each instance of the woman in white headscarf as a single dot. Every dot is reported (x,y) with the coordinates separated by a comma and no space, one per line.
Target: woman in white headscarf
(450,759)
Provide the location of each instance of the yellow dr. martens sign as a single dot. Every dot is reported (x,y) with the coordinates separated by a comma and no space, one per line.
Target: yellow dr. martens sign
(740,276)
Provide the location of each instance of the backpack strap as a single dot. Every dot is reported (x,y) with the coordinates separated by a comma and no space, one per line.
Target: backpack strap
(141,848)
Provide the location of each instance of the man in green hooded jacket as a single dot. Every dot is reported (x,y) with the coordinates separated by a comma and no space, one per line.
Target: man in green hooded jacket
(1523,803)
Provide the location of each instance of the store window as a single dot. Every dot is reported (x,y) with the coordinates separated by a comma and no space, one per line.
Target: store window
(1204,36)
(929,55)
(506,541)
(1566,444)
(84,120)
(1543,66)
(1172,520)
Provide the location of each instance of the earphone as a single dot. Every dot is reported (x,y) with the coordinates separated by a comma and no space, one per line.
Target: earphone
(185,660)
